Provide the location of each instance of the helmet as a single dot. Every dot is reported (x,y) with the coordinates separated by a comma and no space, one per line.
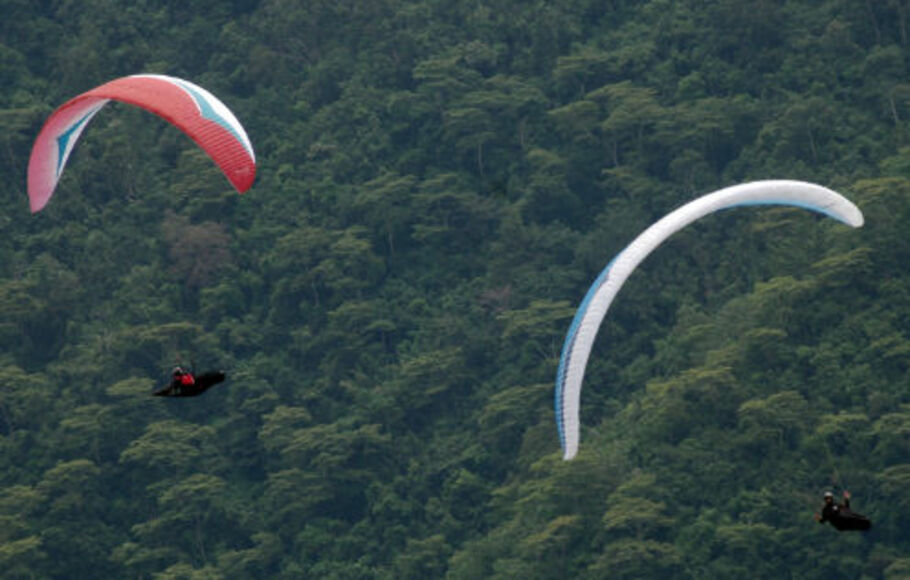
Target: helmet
(178,371)
(829,494)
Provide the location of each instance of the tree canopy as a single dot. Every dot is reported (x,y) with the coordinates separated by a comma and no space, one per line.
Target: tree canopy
(438,184)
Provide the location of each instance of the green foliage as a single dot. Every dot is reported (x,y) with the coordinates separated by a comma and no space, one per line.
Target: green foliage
(439,183)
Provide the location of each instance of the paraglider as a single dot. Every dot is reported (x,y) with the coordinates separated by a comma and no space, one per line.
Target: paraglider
(591,312)
(185,384)
(189,107)
(841,516)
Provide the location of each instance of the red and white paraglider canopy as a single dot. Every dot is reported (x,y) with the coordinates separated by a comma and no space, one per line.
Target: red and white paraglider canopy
(194,110)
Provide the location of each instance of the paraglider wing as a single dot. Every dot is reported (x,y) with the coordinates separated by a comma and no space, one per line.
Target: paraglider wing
(191,108)
(591,312)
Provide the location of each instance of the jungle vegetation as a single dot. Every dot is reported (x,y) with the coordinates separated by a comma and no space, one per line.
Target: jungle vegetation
(439,183)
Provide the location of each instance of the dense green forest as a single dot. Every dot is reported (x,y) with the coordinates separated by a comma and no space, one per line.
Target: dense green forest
(439,182)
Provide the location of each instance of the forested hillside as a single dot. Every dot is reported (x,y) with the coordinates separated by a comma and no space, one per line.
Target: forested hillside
(439,182)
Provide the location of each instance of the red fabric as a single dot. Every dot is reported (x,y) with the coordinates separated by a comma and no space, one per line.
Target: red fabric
(187,379)
(173,101)
(190,108)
